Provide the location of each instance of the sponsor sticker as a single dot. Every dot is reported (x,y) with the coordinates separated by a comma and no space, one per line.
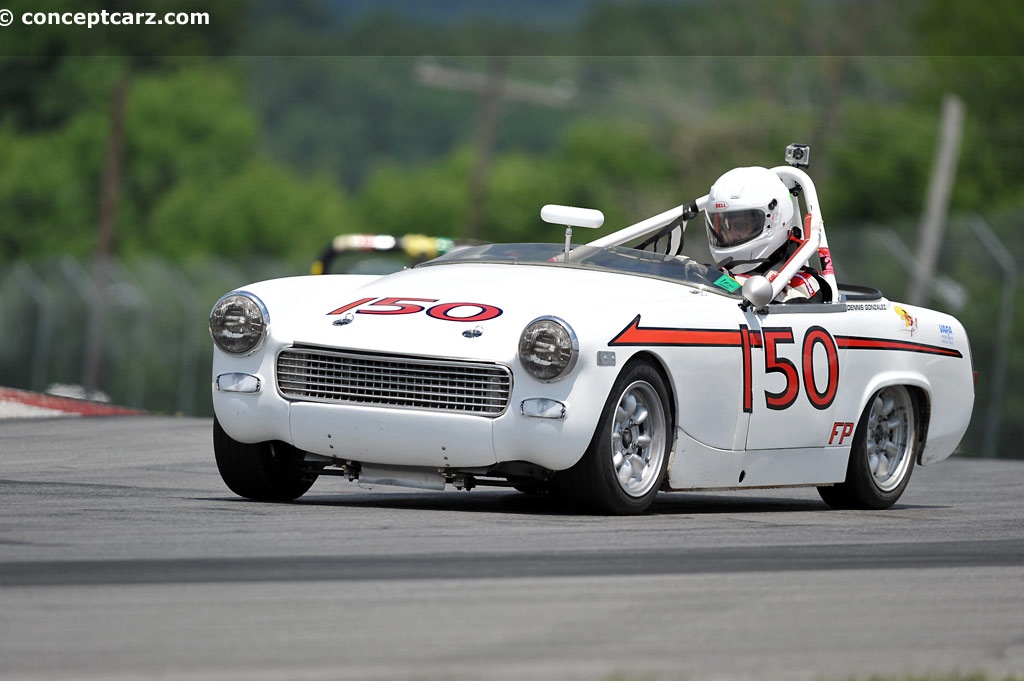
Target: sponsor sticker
(826,261)
(728,283)
(909,322)
(946,334)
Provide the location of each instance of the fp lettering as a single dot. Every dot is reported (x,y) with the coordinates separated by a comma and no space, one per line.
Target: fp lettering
(843,430)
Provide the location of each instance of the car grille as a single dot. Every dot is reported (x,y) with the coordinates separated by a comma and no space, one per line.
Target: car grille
(321,375)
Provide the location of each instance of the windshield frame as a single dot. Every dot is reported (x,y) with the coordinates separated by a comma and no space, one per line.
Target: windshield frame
(614,259)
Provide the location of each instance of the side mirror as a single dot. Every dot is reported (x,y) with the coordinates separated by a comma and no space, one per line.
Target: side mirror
(757,291)
(571,216)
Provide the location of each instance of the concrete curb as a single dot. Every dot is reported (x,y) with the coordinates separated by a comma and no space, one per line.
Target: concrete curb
(20,404)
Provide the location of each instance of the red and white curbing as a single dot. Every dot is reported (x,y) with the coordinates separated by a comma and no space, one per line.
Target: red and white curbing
(21,404)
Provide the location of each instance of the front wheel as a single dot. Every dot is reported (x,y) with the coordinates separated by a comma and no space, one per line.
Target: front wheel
(265,471)
(624,467)
(882,455)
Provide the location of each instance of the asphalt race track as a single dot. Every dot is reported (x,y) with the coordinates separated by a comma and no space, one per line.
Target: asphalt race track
(123,556)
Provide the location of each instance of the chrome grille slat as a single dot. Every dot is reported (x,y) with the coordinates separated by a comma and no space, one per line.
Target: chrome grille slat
(323,375)
(421,374)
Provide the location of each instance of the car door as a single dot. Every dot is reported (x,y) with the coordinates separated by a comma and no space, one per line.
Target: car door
(796,374)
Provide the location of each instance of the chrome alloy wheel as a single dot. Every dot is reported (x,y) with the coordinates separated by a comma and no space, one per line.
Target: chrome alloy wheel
(889,439)
(638,442)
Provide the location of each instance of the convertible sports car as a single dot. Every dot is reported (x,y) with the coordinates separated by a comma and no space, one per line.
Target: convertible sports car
(601,373)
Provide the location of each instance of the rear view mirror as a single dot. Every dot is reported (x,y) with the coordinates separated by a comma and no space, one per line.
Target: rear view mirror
(571,216)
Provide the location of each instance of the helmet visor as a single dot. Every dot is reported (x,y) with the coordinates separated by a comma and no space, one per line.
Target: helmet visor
(735,227)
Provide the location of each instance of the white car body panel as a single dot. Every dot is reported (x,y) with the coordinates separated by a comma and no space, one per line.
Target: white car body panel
(662,373)
(695,335)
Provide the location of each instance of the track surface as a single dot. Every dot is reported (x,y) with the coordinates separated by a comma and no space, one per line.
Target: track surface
(123,556)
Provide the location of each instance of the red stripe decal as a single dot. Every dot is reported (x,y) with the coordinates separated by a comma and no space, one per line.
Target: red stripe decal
(634,334)
(857,343)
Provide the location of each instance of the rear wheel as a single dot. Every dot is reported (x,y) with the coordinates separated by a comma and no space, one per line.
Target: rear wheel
(624,467)
(882,455)
(265,471)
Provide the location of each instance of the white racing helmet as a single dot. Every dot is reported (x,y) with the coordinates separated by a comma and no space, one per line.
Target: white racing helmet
(748,215)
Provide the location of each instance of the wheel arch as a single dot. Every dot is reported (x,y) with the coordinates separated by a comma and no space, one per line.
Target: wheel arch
(923,409)
(920,393)
(656,361)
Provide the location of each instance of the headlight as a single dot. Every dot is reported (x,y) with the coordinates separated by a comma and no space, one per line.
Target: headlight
(238,323)
(548,348)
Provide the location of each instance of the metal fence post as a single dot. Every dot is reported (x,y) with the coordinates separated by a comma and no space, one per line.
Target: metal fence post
(36,290)
(993,418)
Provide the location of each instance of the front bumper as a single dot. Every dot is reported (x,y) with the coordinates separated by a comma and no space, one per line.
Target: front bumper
(544,424)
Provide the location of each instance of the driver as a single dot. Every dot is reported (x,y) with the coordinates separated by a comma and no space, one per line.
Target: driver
(751,231)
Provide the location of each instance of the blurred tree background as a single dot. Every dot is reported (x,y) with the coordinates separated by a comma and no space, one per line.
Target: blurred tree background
(246,145)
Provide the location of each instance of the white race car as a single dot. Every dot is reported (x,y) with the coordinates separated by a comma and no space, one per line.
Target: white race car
(601,373)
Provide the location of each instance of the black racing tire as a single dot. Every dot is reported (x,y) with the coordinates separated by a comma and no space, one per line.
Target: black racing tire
(265,471)
(624,466)
(885,447)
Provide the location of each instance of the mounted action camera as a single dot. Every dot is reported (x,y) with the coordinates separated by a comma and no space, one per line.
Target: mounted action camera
(798,155)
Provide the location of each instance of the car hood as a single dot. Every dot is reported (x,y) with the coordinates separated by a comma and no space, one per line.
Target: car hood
(472,311)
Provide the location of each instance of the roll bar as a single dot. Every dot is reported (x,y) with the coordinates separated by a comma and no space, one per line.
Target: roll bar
(813,228)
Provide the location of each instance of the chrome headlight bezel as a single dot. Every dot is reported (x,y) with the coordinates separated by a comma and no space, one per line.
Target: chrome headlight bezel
(239,323)
(548,348)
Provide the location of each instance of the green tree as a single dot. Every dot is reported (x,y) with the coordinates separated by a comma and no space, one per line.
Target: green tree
(263,209)
(47,202)
(426,199)
(190,125)
(194,176)
(621,170)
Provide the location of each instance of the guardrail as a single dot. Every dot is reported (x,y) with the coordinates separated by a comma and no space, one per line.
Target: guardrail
(152,349)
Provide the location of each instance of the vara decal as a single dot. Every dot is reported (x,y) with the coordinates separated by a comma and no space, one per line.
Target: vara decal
(946,334)
(443,311)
